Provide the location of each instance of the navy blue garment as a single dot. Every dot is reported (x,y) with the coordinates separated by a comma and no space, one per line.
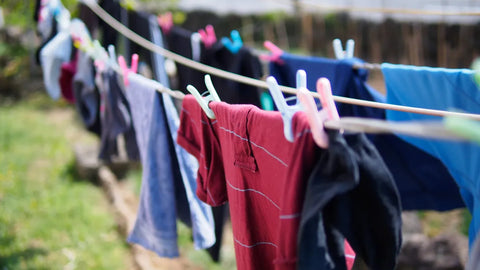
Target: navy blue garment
(138,22)
(178,41)
(350,194)
(110,35)
(334,174)
(115,117)
(244,62)
(423,181)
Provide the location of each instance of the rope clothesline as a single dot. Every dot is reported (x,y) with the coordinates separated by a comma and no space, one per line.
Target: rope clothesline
(250,81)
(338,8)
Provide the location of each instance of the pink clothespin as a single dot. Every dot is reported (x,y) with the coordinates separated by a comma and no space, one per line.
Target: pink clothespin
(317,118)
(165,21)
(208,36)
(100,65)
(275,53)
(326,98)
(125,69)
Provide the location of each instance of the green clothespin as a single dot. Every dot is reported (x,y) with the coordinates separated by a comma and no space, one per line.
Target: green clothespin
(476,69)
(130,5)
(467,128)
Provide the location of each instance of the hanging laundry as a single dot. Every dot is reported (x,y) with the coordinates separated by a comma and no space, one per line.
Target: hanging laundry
(440,88)
(86,15)
(422,179)
(178,40)
(244,62)
(343,197)
(263,183)
(160,203)
(67,73)
(115,117)
(335,173)
(109,34)
(87,96)
(138,22)
(55,52)
(202,222)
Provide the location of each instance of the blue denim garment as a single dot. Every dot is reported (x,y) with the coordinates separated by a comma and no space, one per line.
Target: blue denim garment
(155,227)
(441,89)
(201,213)
(422,179)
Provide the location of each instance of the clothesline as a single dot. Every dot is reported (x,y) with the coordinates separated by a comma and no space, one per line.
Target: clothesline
(338,8)
(250,81)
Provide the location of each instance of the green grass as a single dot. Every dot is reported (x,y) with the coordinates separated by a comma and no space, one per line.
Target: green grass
(49,219)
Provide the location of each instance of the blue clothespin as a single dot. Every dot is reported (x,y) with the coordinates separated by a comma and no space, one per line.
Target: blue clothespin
(235,44)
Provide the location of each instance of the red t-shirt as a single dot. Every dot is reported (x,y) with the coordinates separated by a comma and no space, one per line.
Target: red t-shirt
(244,158)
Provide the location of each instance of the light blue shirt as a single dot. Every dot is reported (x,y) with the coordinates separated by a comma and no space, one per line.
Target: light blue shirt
(442,89)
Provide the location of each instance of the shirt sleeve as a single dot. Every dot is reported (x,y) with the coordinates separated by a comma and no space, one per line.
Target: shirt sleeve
(198,136)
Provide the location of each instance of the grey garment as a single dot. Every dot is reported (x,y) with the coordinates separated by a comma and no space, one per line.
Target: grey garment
(87,96)
(474,257)
(200,213)
(115,119)
(155,226)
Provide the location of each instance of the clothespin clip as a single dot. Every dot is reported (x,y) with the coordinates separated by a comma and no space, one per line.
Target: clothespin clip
(165,21)
(203,101)
(466,128)
(208,36)
(80,35)
(112,56)
(275,55)
(235,44)
(476,69)
(286,110)
(317,118)
(125,69)
(324,89)
(195,40)
(338,49)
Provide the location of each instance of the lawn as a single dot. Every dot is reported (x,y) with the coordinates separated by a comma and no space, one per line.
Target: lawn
(50,219)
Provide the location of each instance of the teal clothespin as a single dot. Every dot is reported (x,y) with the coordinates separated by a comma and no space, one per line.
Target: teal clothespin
(266,101)
(466,128)
(235,44)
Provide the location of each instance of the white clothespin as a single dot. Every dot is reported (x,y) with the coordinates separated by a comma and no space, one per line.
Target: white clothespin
(203,101)
(286,110)
(338,49)
(196,40)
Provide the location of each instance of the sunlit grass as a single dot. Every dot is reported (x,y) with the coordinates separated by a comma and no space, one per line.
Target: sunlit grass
(48,219)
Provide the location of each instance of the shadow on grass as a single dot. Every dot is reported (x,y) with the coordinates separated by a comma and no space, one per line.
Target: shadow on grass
(11,257)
